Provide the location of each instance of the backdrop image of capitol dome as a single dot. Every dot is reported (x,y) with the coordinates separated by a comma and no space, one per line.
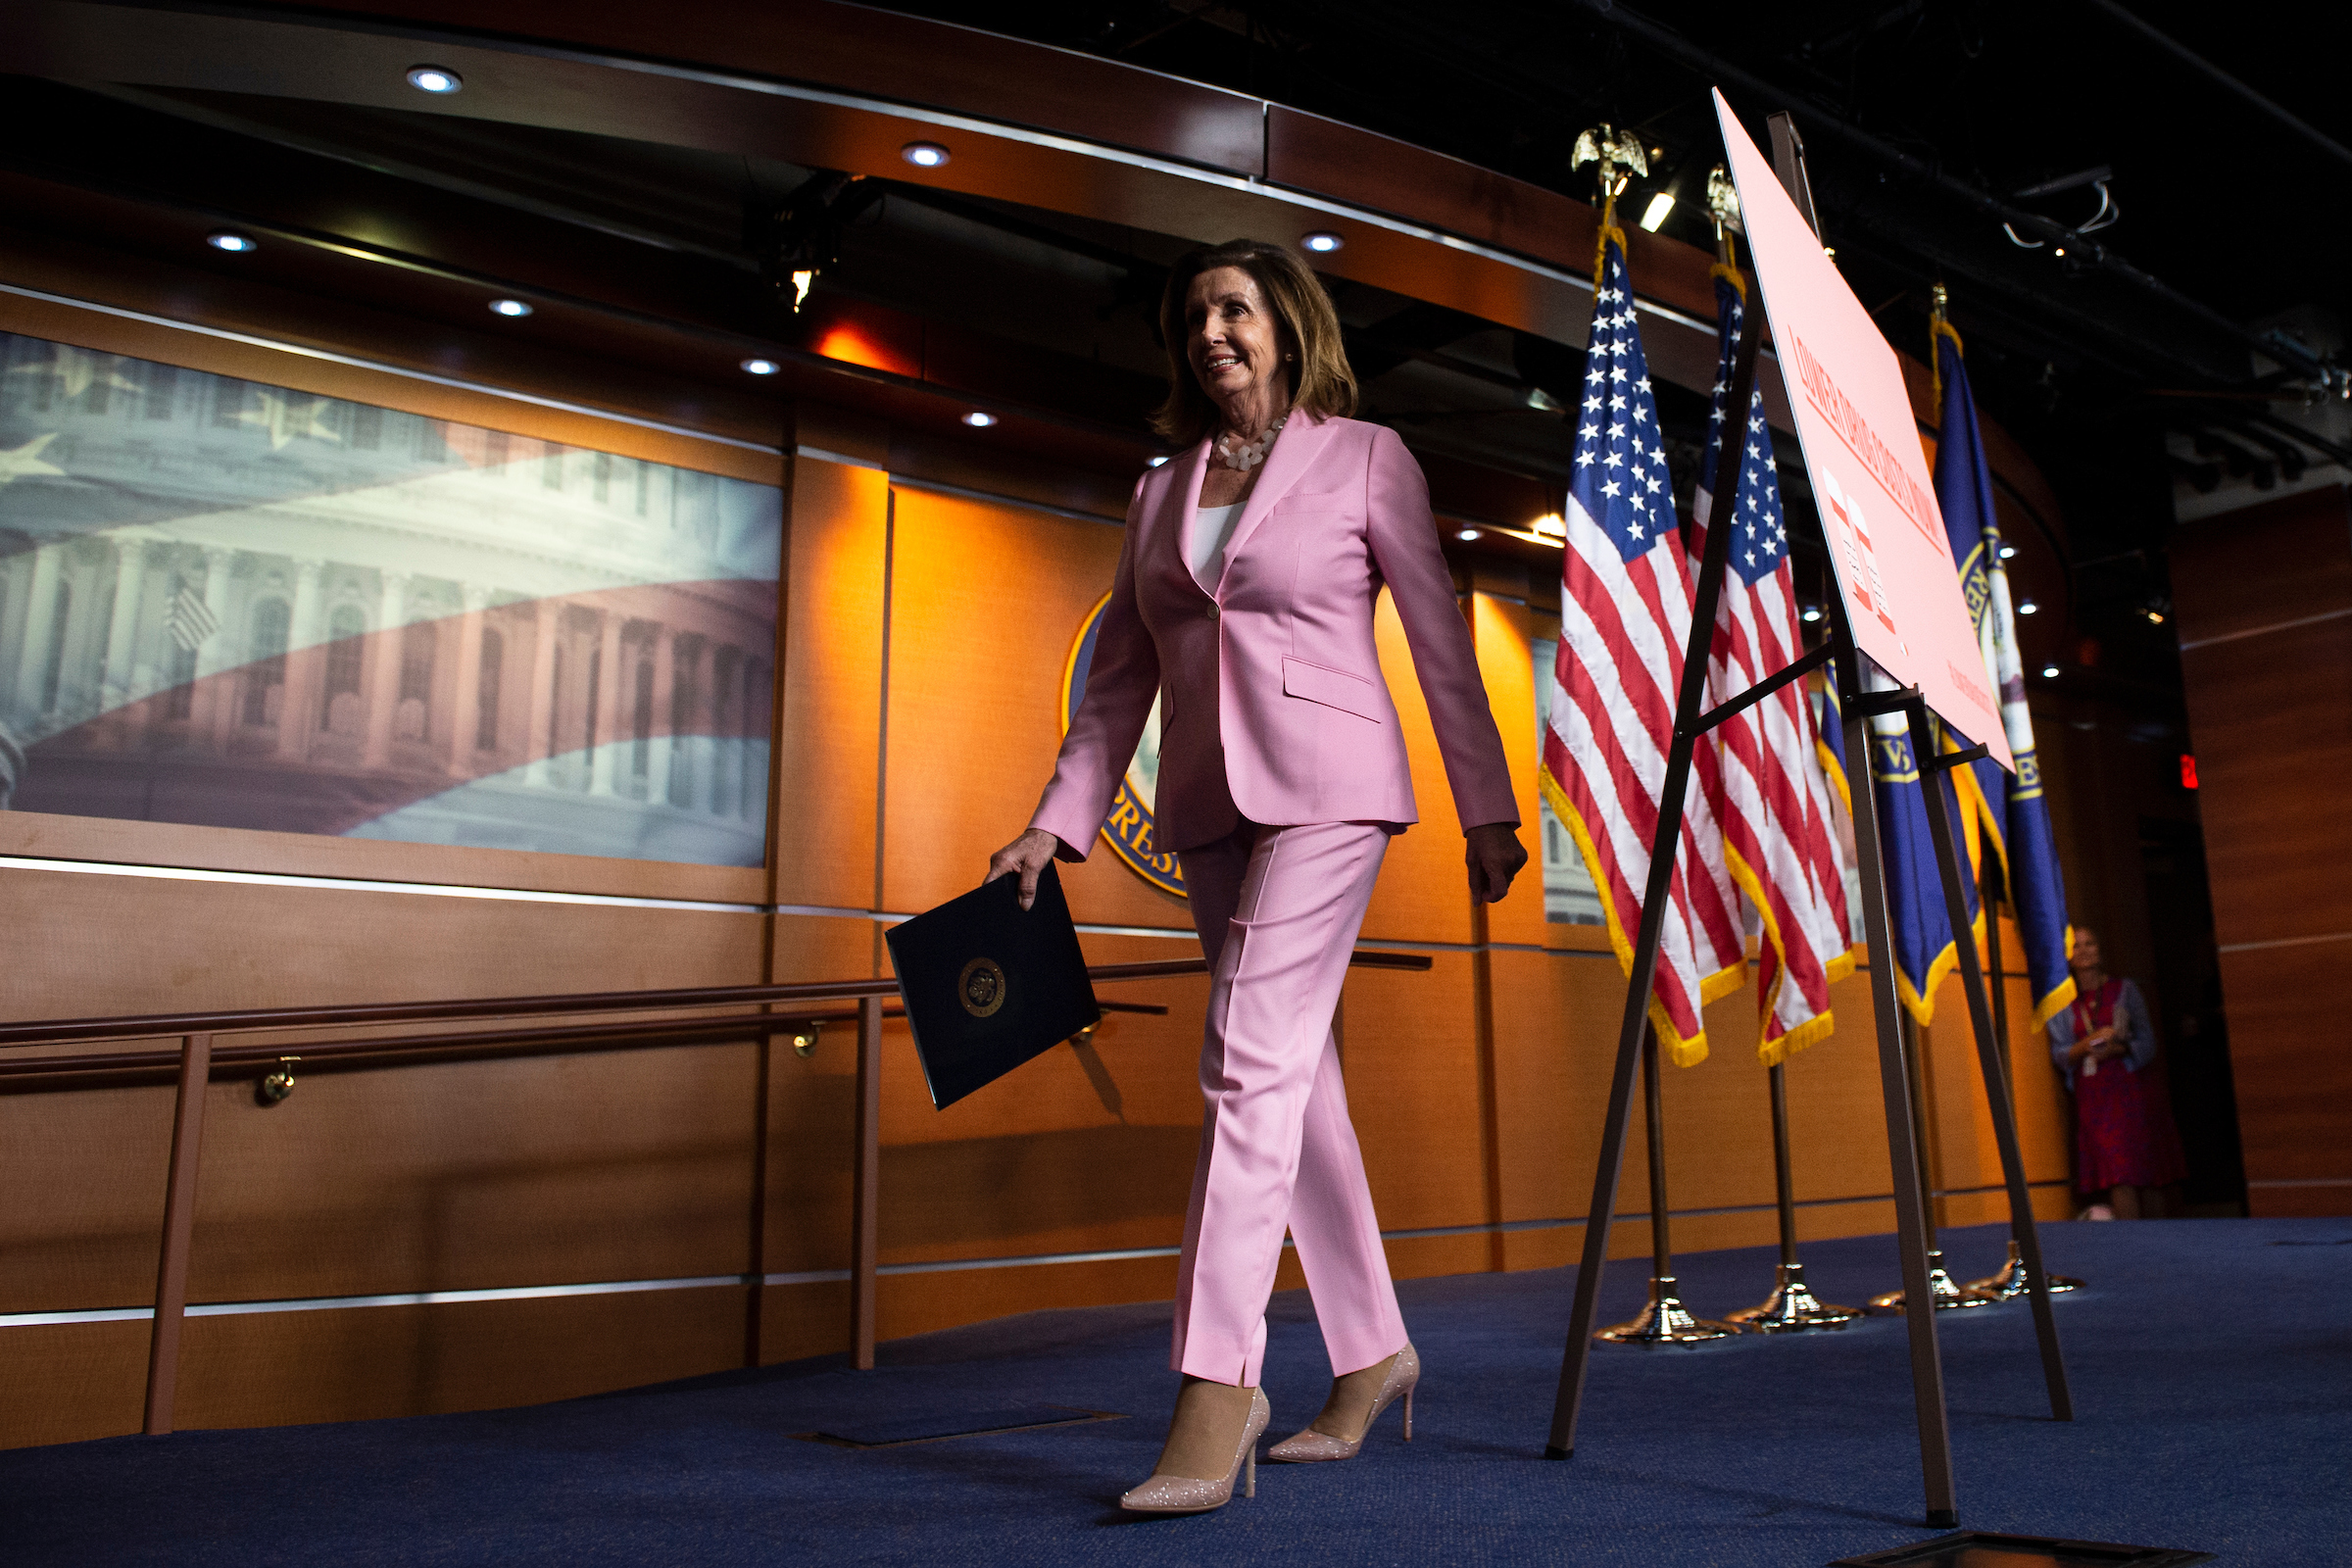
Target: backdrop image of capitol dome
(232,604)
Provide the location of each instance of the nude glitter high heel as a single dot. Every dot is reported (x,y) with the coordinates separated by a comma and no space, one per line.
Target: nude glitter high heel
(1166,1494)
(1311,1446)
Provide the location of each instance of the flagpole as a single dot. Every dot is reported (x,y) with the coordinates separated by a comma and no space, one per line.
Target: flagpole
(2012,1281)
(1792,1305)
(1642,969)
(1664,1320)
(1947,1295)
(1990,1060)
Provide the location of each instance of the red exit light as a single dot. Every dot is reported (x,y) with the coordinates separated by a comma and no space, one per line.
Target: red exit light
(2188,770)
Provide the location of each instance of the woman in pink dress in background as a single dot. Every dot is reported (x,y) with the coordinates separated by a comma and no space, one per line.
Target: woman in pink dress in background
(2124,1140)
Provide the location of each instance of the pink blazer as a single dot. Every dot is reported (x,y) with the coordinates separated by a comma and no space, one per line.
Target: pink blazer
(1272,706)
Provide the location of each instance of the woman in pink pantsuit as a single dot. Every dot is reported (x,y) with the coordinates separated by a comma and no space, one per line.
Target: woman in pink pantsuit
(1244,603)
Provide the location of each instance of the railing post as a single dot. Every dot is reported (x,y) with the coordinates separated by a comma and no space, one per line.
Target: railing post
(180,1231)
(867,1189)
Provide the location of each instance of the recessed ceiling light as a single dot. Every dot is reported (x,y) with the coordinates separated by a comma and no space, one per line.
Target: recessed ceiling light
(762,367)
(434,79)
(2007,551)
(510,308)
(979,421)
(2026,607)
(230,241)
(924,153)
(2049,671)
(1467,534)
(1811,613)
(1322,241)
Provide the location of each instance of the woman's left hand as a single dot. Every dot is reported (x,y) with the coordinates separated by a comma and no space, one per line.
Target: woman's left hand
(1494,855)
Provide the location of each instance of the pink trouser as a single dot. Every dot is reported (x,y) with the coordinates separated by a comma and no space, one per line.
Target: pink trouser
(1277,909)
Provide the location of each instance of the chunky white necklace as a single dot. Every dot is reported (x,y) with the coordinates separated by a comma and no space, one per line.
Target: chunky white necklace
(1243,456)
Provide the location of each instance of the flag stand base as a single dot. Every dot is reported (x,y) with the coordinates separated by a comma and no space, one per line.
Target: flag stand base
(1790,1307)
(1947,1296)
(1665,1321)
(2011,1282)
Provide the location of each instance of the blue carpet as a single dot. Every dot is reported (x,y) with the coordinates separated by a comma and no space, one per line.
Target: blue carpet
(2212,1366)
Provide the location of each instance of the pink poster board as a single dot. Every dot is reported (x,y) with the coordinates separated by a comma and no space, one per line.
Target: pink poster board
(1862,451)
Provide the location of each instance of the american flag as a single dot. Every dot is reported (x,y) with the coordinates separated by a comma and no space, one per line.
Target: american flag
(1625,619)
(1772,804)
(189,620)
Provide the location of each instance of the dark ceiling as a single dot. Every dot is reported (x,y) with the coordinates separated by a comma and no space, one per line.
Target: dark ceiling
(2222,209)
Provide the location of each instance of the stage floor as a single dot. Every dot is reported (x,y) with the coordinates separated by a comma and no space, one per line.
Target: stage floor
(2211,1360)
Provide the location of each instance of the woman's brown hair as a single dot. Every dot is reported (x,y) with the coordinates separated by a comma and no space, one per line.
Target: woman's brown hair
(1321,383)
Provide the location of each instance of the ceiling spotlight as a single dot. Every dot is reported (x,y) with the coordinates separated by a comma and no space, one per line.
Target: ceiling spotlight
(2049,672)
(1551,525)
(509,307)
(2155,617)
(231,241)
(924,153)
(802,280)
(1322,241)
(762,367)
(1810,614)
(979,421)
(1655,213)
(2026,607)
(2007,551)
(434,79)
(1467,534)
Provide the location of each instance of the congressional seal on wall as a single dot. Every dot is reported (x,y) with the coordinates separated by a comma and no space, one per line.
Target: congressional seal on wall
(1129,825)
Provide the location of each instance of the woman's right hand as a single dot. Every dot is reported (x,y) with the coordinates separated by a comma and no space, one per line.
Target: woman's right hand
(1025,856)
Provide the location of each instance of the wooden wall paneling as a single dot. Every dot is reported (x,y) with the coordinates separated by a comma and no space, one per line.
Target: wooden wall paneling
(129,945)
(2292,1076)
(829,743)
(86,1174)
(1077,1150)
(261,1369)
(1718,1117)
(39,835)
(924,1303)
(98,945)
(1422,894)
(986,599)
(2264,565)
(1554,1035)
(1500,631)
(1836,1124)
(466,1176)
(1414,1092)
(71,1382)
(2272,730)
(2265,601)
(811,1114)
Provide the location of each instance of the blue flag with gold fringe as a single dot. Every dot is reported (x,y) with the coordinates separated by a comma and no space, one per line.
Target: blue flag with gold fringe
(2012,812)
(1924,949)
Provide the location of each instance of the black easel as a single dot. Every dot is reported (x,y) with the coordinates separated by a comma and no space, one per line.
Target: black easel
(1693,721)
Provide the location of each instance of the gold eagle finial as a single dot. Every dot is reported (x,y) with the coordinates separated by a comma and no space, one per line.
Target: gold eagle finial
(1620,156)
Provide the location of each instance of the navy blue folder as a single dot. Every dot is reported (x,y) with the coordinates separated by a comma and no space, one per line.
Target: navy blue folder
(988,984)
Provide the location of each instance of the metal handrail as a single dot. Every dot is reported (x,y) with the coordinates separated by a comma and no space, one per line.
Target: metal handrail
(147,1026)
(196,1062)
